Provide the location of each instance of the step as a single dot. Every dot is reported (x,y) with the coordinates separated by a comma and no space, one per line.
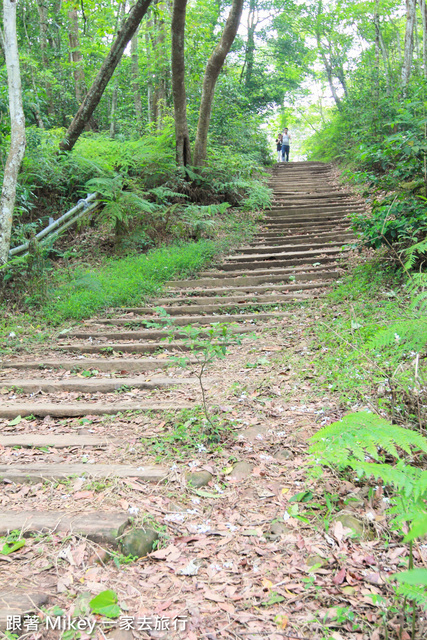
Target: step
(232,292)
(263,276)
(240,297)
(285,211)
(94,385)
(257,289)
(20,603)
(100,364)
(344,238)
(269,301)
(249,266)
(136,335)
(284,248)
(61,441)
(124,347)
(202,320)
(99,526)
(76,409)
(31,473)
(272,269)
(312,217)
(274,254)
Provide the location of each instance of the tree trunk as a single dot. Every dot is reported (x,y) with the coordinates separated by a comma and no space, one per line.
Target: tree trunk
(250,44)
(76,56)
(135,79)
(17,133)
(423,9)
(42,9)
(331,81)
(182,138)
(409,43)
(114,100)
(213,68)
(97,89)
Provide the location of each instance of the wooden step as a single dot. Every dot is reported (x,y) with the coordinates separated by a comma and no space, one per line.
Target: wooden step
(93,385)
(75,409)
(99,526)
(31,473)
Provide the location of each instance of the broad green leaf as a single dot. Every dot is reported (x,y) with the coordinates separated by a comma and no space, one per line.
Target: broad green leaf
(105,604)
(413,576)
(10,548)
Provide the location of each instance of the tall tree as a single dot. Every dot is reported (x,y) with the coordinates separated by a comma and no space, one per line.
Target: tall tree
(17,123)
(409,43)
(213,68)
(97,89)
(183,150)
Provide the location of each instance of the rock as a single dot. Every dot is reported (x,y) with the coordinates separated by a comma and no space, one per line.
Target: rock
(351,522)
(283,454)
(120,634)
(100,556)
(139,542)
(199,479)
(241,470)
(255,434)
(314,560)
(277,529)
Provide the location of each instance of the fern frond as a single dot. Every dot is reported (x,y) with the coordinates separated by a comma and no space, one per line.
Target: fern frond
(413,332)
(363,434)
(413,593)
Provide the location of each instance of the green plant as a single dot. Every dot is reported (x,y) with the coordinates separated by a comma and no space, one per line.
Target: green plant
(10,543)
(364,443)
(105,604)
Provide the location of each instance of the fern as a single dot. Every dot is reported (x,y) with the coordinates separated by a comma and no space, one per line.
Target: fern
(413,332)
(413,252)
(363,434)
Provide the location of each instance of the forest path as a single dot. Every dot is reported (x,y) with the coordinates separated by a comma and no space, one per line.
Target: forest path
(92,415)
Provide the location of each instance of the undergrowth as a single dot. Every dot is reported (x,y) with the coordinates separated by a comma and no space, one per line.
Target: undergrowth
(368,344)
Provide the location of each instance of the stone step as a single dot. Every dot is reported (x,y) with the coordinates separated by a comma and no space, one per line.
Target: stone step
(230,294)
(19,603)
(274,254)
(223,306)
(258,289)
(285,248)
(312,217)
(339,208)
(31,473)
(133,335)
(340,239)
(101,364)
(253,265)
(183,320)
(94,385)
(238,297)
(99,526)
(61,441)
(76,409)
(258,277)
(272,269)
(292,227)
(125,347)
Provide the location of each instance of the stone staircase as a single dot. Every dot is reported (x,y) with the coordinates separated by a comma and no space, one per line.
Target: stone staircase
(299,249)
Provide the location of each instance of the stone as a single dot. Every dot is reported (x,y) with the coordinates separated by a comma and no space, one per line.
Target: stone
(19,603)
(314,560)
(277,529)
(283,454)
(351,522)
(198,479)
(100,527)
(241,470)
(255,434)
(139,542)
(120,634)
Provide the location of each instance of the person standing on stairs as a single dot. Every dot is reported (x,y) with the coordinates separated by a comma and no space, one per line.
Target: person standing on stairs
(286,141)
(279,147)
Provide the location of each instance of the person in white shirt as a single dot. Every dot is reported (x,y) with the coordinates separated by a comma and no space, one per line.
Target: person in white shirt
(286,141)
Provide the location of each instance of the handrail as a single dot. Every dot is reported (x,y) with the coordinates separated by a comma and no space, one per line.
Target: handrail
(61,223)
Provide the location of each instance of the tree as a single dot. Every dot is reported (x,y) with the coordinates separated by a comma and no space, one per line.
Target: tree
(110,63)
(213,68)
(409,42)
(182,138)
(17,122)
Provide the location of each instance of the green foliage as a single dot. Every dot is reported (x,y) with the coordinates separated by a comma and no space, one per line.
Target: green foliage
(10,543)
(105,604)
(357,435)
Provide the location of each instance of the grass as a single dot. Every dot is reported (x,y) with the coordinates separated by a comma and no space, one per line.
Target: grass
(339,357)
(80,292)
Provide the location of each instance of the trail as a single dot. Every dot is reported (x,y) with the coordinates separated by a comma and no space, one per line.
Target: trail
(80,472)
